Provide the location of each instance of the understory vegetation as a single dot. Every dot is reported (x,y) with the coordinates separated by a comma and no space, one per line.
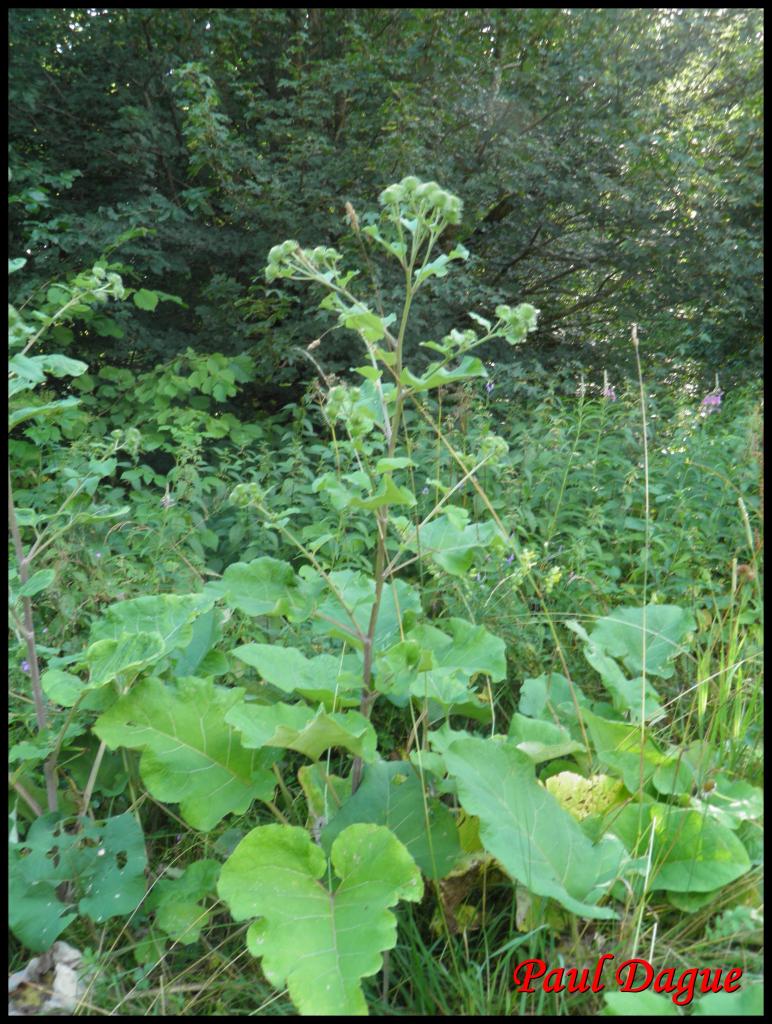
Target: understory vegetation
(386,614)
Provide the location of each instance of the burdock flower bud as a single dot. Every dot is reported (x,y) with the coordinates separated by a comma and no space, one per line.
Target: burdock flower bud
(278,260)
(244,495)
(517,322)
(339,402)
(493,448)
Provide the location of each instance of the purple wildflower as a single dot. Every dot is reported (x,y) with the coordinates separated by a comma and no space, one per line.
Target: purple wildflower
(425,490)
(489,386)
(609,393)
(711,402)
(510,558)
(97,554)
(25,666)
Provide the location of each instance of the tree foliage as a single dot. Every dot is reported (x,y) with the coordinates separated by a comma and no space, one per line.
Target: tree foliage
(610,162)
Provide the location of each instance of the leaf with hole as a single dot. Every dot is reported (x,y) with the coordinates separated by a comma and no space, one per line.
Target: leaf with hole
(104,862)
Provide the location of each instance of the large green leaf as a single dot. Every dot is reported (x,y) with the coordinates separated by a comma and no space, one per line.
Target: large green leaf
(190,755)
(536,841)
(430,663)
(618,746)
(103,862)
(325,678)
(371,327)
(36,915)
(17,416)
(439,376)
(299,727)
(342,497)
(177,902)
(731,801)
(549,696)
(145,299)
(747,1002)
(62,687)
(541,741)
(325,792)
(117,876)
(205,634)
(108,659)
(36,583)
(453,543)
(320,942)
(266,586)
(406,670)
(663,627)
(639,1004)
(463,646)
(626,693)
(168,615)
(691,852)
(391,794)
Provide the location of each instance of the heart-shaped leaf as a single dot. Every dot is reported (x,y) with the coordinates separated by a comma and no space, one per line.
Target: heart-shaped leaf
(317,941)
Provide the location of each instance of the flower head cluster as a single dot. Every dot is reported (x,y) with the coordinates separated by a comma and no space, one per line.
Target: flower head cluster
(517,322)
(552,578)
(413,196)
(290,260)
(244,495)
(609,393)
(278,260)
(340,402)
(493,448)
(344,403)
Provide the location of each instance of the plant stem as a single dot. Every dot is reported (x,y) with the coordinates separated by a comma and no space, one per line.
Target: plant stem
(382,523)
(28,799)
(49,767)
(92,779)
(647,538)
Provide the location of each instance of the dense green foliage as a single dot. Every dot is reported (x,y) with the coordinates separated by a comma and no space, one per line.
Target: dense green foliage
(609,160)
(449,655)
